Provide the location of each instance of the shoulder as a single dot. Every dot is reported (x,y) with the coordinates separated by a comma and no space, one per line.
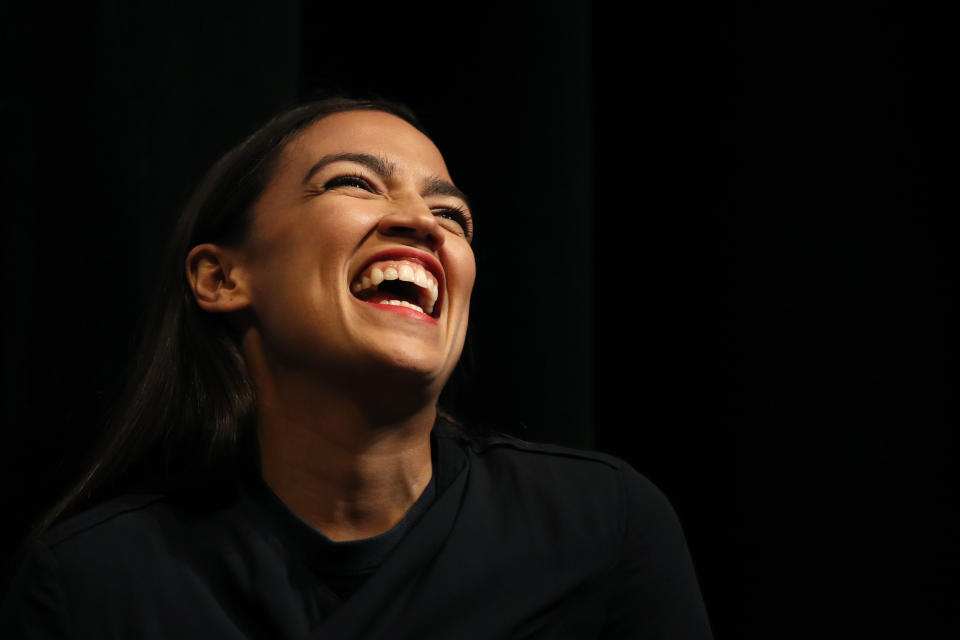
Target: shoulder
(117,514)
(539,460)
(106,547)
(81,555)
(578,481)
(105,544)
(112,535)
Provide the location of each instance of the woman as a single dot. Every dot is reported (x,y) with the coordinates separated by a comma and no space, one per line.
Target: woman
(293,477)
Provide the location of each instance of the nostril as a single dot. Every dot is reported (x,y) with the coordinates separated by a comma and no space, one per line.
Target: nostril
(415,223)
(410,232)
(426,230)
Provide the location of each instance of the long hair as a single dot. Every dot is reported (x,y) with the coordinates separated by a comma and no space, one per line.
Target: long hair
(186,418)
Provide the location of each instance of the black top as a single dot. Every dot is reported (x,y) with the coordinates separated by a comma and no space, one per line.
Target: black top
(510,540)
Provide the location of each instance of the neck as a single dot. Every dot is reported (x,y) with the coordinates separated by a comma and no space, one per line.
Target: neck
(345,464)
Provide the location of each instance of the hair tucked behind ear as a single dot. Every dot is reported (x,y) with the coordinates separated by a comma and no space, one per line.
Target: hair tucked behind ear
(186,417)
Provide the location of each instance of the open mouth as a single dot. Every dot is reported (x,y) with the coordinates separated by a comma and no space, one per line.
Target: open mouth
(404,282)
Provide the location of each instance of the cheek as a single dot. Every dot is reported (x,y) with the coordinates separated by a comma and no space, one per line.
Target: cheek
(463,271)
(303,257)
(285,284)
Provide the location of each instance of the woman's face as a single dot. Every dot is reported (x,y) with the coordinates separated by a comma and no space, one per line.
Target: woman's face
(359,228)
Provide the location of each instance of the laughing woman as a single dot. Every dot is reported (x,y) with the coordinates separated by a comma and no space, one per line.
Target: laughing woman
(279,469)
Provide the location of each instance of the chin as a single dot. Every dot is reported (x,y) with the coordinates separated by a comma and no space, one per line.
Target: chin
(399,389)
(415,370)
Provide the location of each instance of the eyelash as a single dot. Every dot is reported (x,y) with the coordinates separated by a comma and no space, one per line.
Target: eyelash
(457,214)
(349,181)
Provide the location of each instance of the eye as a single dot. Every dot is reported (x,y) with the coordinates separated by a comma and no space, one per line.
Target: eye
(457,220)
(358,182)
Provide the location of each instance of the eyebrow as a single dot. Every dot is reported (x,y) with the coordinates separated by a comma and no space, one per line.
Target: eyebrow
(381,166)
(432,186)
(435,186)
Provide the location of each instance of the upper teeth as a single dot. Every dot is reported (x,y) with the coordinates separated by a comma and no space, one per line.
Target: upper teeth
(403,270)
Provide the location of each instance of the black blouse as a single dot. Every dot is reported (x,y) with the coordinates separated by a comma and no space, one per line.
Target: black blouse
(510,540)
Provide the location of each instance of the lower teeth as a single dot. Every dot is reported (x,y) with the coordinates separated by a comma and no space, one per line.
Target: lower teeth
(403,303)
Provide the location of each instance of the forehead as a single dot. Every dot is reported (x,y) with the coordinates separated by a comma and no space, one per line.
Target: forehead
(372,132)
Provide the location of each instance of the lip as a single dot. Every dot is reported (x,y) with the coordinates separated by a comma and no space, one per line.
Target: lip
(426,260)
(403,311)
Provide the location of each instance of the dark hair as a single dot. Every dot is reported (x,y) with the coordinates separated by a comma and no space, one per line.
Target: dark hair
(186,417)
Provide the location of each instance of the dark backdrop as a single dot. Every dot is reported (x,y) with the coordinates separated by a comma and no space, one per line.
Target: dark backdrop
(713,239)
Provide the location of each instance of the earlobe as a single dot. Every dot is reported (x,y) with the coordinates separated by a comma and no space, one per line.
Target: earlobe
(218,282)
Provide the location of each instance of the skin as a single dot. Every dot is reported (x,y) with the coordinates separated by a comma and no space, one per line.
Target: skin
(347,391)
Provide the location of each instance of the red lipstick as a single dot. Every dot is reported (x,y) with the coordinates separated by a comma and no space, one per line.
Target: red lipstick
(424,259)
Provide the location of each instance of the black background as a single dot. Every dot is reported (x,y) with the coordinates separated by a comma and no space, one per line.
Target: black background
(713,239)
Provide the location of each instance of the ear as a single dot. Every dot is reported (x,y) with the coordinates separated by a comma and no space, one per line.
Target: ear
(218,281)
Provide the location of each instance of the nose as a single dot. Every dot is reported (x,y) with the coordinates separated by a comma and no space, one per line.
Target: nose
(414,221)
